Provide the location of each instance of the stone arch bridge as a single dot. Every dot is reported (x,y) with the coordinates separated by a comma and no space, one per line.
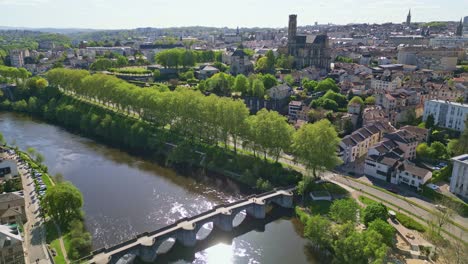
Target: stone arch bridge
(184,231)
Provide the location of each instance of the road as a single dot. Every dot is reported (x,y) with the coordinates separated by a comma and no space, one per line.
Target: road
(34,231)
(400,202)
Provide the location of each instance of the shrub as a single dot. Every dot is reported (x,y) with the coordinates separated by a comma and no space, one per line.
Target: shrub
(410,223)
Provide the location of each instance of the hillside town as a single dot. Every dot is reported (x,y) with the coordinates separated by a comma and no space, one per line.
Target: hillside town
(396,95)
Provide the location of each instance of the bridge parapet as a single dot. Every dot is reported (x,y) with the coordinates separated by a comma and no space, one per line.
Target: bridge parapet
(145,245)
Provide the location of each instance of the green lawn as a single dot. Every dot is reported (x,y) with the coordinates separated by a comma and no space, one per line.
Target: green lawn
(367,201)
(409,222)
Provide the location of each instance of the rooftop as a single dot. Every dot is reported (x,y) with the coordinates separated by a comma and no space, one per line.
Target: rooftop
(462,158)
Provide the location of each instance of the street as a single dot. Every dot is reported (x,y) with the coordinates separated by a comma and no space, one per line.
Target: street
(34,232)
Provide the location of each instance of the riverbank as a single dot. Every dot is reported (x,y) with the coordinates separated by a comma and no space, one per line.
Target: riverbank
(144,139)
(130,195)
(58,241)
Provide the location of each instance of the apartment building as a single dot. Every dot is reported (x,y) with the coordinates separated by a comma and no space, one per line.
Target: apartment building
(446,114)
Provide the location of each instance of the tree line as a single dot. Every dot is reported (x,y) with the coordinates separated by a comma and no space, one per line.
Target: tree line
(173,58)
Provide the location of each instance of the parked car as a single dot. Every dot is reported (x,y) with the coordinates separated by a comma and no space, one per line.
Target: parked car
(393,190)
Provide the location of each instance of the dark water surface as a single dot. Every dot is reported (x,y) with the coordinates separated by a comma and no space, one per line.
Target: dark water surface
(125,195)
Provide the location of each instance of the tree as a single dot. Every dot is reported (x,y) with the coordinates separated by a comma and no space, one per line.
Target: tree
(385,229)
(262,65)
(438,150)
(269,81)
(289,79)
(375,211)
(327,84)
(356,100)
(315,145)
(80,240)
(344,210)
(63,203)
(102,65)
(430,122)
(309,85)
(270,61)
(258,89)
(370,100)
(318,231)
(423,151)
(271,132)
(360,248)
(460,146)
(241,84)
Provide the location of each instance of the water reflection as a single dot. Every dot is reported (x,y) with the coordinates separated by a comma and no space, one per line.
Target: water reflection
(125,195)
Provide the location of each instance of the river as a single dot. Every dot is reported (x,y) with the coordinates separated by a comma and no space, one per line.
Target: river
(125,195)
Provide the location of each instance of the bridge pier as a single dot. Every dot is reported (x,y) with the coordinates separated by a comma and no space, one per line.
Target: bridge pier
(224,221)
(285,200)
(187,235)
(149,253)
(257,209)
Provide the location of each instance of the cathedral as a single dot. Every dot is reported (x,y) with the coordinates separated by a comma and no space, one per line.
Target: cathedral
(307,50)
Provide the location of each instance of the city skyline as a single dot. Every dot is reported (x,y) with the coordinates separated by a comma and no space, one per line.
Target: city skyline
(119,14)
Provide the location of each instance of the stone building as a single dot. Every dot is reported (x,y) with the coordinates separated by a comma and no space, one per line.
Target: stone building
(307,50)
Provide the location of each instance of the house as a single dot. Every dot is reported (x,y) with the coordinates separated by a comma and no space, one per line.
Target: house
(373,114)
(459,180)
(11,245)
(392,167)
(294,108)
(12,208)
(303,114)
(411,175)
(207,71)
(406,141)
(278,97)
(356,145)
(240,63)
(8,169)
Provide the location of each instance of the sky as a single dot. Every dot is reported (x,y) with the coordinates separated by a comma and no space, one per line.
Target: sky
(126,14)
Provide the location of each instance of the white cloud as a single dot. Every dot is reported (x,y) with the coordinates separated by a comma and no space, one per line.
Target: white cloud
(23,2)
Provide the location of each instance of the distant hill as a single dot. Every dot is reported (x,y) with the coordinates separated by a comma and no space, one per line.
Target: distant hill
(51,30)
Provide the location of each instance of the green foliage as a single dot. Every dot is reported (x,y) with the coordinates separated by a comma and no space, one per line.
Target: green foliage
(356,100)
(241,84)
(325,103)
(360,248)
(269,81)
(63,203)
(318,231)
(344,210)
(173,58)
(385,229)
(436,151)
(326,85)
(343,59)
(409,222)
(262,65)
(375,211)
(285,61)
(435,24)
(314,145)
(338,98)
(370,100)
(80,240)
(289,80)
(101,65)
(309,85)
(430,122)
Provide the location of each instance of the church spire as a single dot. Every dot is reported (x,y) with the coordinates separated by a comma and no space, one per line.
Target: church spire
(459,31)
(408,18)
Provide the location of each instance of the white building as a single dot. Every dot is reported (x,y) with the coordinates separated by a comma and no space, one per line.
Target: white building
(446,114)
(449,42)
(459,180)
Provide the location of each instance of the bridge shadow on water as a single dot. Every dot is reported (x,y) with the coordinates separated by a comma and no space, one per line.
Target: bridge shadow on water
(178,252)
